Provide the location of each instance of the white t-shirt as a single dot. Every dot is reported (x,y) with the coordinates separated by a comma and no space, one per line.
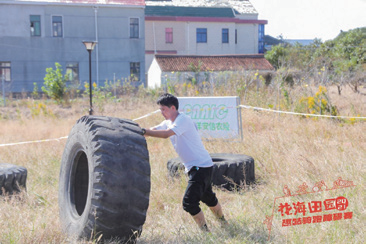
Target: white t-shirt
(187,142)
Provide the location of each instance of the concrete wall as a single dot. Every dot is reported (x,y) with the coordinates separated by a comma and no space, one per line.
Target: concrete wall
(31,55)
(158,42)
(214,43)
(157,78)
(247,42)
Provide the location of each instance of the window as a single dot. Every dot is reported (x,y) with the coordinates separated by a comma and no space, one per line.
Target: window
(236,36)
(168,35)
(135,71)
(225,35)
(201,35)
(57,26)
(134,28)
(5,71)
(72,71)
(35,25)
(260,38)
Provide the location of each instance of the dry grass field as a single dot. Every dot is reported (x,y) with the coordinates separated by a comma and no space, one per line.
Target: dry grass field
(288,150)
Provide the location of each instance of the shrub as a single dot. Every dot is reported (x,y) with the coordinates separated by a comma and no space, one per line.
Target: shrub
(55,83)
(320,103)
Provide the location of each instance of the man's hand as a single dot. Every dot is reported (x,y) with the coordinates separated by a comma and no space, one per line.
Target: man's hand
(159,133)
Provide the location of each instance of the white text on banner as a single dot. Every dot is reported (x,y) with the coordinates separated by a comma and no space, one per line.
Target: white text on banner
(215,117)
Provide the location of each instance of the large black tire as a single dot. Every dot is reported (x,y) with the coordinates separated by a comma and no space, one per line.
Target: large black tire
(229,171)
(104,179)
(12,178)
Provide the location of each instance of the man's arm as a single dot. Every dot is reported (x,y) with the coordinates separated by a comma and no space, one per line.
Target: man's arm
(159,133)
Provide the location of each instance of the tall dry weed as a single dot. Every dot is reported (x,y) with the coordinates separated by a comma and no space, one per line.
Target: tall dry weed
(288,150)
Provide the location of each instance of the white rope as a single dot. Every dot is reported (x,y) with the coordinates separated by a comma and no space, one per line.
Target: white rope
(147,115)
(27,142)
(65,137)
(156,111)
(314,115)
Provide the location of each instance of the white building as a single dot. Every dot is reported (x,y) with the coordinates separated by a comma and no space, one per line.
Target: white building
(202,28)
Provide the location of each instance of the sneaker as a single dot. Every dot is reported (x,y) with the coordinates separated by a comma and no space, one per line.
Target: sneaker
(205,228)
(223,222)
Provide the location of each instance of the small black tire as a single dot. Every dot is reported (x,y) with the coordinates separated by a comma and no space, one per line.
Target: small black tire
(229,170)
(104,182)
(12,178)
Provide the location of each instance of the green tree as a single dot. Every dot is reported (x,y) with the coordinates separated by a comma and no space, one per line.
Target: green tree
(277,55)
(55,83)
(301,56)
(346,57)
(350,50)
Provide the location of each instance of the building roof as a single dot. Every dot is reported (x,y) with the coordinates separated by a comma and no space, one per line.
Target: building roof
(97,2)
(303,42)
(242,6)
(224,12)
(181,63)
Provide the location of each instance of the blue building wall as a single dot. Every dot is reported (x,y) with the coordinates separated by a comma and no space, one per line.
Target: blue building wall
(31,55)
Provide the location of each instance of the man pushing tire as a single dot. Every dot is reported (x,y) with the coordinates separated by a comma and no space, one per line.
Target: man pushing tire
(184,136)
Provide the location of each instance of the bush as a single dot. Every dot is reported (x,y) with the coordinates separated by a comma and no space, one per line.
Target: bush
(320,103)
(55,83)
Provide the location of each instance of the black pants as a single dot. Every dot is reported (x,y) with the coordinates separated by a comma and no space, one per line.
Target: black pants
(199,189)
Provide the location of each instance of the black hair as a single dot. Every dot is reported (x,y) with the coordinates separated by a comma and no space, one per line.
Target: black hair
(168,100)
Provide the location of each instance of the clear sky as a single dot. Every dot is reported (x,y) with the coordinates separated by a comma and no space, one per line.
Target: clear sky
(309,19)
